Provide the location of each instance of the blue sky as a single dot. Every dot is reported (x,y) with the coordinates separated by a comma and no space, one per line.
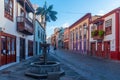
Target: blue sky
(69,11)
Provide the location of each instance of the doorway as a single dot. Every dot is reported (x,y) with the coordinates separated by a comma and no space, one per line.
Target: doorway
(107,49)
(99,49)
(22,49)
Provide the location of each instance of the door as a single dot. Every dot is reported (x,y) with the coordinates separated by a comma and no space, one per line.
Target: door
(22,49)
(99,49)
(107,49)
(9,50)
(3,50)
(93,49)
(30,48)
(13,49)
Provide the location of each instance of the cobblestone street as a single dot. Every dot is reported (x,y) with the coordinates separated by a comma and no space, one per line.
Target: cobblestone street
(16,72)
(91,68)
(75,65)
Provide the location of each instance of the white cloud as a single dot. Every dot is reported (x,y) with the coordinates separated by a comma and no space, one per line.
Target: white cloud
(65,25)
(52,27)
(50,30)
(116,3)
(101,12)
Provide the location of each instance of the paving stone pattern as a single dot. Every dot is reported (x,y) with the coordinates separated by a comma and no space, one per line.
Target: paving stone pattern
(16,72)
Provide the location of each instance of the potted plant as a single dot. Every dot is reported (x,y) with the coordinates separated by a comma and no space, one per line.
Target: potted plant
(101,33)
(94,33)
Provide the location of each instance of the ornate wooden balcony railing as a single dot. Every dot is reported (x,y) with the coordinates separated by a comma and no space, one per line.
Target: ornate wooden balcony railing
(25,25)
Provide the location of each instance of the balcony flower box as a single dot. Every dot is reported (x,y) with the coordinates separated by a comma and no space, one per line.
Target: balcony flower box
(97,34)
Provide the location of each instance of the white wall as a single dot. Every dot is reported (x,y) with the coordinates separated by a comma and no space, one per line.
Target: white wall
(111,37)
(10,27)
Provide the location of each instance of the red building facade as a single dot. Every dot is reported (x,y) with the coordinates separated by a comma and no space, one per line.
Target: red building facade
(105,36)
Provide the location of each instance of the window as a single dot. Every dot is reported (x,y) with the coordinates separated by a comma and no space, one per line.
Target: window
(76,33)
(8,45)
(85,30)
(73,35)
(13,46)
(108,27)
(3,45)
(39,33)
(8,11)
(80,33)
(94,27)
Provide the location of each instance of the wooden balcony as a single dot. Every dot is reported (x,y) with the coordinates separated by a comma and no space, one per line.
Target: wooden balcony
(27,5)
(24,25)
(97,34)
(98,37)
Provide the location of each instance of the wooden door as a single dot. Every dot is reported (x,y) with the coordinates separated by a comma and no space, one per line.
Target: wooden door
(13,49)
(9,57)
(107,49)
(93,49)
(3,50)
(99,49)
(22,49)
(30,48)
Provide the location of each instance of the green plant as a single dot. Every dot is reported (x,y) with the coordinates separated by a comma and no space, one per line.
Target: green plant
(94,33)
(101,33)
(47,12)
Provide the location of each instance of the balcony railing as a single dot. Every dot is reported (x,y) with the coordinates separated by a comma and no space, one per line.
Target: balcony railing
(97,34)
(25,25)
(27,5)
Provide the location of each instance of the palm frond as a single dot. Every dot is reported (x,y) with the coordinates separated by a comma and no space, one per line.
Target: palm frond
(53,17)
(47,18)
(39,11)
(48,13)
(52,13)
(50,8)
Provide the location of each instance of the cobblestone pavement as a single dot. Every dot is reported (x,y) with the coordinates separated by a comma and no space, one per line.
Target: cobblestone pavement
(75,65)
(91,68)
(16,72)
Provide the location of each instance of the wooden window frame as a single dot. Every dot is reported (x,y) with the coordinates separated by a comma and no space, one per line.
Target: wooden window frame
(7,7)
(108,27)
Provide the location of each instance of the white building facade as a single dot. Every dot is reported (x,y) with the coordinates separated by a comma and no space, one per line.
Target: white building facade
(16,31)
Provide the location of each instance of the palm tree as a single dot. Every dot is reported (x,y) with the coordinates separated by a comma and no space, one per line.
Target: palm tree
(47,13)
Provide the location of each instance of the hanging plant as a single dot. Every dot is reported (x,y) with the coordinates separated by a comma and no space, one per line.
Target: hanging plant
(94,33)
(101,33)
